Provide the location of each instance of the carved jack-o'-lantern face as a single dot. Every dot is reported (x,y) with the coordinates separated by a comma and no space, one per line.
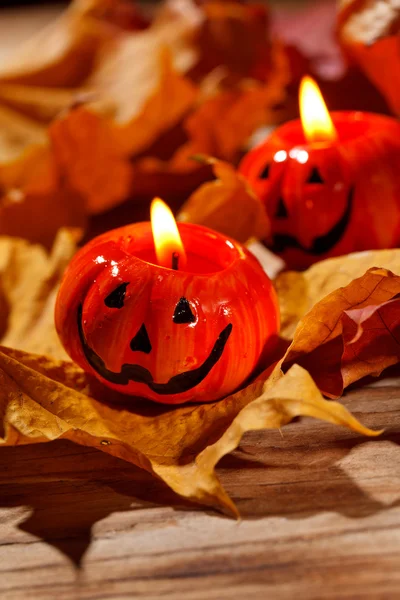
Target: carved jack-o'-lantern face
(309,202)
(329,199)
(171,336)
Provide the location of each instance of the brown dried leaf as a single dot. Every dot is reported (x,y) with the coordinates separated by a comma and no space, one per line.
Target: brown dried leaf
(351,333)
(298,292)
(234,35)
(47,401)
(227,205)
(35,200)
(29,279)
(63,53)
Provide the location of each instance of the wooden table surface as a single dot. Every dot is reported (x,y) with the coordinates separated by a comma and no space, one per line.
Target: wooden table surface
(320,509)
(320,519)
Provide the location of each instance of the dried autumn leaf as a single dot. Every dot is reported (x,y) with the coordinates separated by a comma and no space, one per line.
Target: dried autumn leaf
(227,205)
(140,126)
(137,66)
(86,147)
(96,152)
(151,96)
(234,35)
(39,103)
(63,53)
(222,125)
(47,401)
(369,33)
(17,134)
(35,200)
(298,292)
(351,333)
(29,279)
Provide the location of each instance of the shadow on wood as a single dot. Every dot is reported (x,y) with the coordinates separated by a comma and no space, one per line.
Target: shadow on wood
(310,468)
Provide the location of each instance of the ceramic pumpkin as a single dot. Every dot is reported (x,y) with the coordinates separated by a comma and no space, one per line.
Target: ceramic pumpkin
(328,199)
(170,336)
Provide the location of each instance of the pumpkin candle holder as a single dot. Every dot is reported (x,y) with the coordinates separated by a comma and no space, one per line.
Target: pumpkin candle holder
(173,314)
(330,183)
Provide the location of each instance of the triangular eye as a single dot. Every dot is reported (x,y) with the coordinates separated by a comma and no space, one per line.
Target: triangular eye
(141,341)
(183,312)
(315,176)
(117,297)
(264,173)
(281,211)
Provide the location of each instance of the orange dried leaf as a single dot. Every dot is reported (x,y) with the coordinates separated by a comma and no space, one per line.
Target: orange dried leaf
(184,85)
(227,205)
(96,152)
(35,200)
(45,401)
(298,292)
(39,103)
(223,123)
(86,147)
(351,333)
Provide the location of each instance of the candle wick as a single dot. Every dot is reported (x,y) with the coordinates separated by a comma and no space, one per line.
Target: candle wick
(175,261)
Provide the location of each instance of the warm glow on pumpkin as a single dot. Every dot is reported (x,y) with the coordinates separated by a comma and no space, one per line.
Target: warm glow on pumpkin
(315,118)
(167,241)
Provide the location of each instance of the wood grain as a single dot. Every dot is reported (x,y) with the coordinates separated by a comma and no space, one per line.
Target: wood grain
(320,519)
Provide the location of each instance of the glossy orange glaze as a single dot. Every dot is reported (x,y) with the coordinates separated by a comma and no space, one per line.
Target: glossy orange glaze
(355,204)
(226,289)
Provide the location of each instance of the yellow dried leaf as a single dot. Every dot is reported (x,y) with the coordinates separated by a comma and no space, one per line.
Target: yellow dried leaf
(181,446)
(227,205)
(299,292)
(29,279)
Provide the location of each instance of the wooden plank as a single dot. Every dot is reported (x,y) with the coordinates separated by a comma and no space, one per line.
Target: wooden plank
(320,519)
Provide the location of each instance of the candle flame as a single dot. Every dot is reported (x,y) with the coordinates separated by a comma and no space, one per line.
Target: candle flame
(315,118)
(167,241)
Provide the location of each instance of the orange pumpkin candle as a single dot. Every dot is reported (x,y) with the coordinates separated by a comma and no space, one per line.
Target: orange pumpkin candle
(174,314)
(330,182)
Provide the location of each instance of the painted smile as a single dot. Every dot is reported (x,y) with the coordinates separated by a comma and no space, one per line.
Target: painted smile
(321,244)
(176,385)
